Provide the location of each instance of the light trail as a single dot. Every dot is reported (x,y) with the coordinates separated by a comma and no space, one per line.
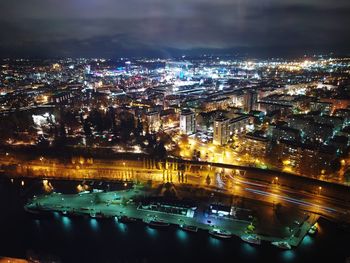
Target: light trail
(291,200)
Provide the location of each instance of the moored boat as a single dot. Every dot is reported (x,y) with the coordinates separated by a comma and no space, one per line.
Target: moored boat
(157,223)
(32,210)
(64,212)
(126,219)
(189,228)
(252,239)
(220,233)
(282,244)
(313,229)
(99,215)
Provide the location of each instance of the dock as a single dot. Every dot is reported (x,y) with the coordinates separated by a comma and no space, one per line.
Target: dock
(116,204)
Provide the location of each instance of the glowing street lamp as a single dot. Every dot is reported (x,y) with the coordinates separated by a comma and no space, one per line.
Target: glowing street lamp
(319,189)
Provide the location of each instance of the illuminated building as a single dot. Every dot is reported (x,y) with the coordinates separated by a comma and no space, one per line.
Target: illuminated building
(283,132)
(216,104)
(61,97)
(238,124)
(269,107)
(315,128)
(221,130)
(323,107)
(187,122)
(255,145)
(343,113)
(153,121)
(306,159)
(249,101)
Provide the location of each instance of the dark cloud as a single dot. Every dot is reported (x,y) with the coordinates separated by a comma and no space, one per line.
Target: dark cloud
(161,27)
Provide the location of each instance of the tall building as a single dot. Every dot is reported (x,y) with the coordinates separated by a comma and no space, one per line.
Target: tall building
(187,122)
(250,98)
(238,124)
(221,130)
(153,121)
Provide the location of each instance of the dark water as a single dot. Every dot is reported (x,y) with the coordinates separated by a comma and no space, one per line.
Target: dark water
(90,240)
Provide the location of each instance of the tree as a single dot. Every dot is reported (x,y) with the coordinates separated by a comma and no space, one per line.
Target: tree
(87,128)
(161,152)
(335,165)
(42,142)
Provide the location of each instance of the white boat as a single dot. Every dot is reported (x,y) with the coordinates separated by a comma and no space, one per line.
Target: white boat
(156,222)
(189,228)
(252,239)
(313,230)
(282,244)
(216,232)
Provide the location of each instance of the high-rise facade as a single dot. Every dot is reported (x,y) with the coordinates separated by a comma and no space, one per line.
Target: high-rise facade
(187,122)
(221,130)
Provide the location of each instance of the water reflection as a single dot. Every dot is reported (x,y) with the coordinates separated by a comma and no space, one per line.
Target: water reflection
(67,223)
(307,241)
(94,224)
(248,249)
(215,242)
(182,235)
(151,232)
(56,215)
(123,228)
(288,255)
(37,222)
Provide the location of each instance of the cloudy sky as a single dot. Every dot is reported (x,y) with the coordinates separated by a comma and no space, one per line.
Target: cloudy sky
(113,28)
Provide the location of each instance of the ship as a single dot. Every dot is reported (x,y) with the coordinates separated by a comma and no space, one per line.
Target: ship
(31,210)
(220,233)
(252,239)
(99,215)
(313,229)
(157,223)
(64,212)
(282,244)
(126,219)
(189,228)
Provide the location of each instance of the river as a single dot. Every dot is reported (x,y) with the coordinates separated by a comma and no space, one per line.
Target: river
(89,240)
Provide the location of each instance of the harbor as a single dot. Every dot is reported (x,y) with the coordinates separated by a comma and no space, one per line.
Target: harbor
(129,205)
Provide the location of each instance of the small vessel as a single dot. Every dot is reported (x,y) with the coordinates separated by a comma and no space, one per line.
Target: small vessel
(99,215)
(157,223)
(313,229)
(64,212)
(282,244)
(74,213)
(252,239)
(189,228)
(220,233)
(126,219)
(31,210)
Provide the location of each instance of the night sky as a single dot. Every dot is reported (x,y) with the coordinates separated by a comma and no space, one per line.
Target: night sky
(114,28)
